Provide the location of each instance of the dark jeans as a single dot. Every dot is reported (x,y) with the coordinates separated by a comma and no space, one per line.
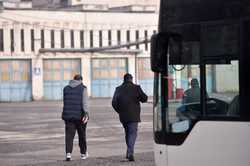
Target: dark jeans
(70,130)
(130,136)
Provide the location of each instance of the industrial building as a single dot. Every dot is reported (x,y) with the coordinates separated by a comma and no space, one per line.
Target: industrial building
(41,50)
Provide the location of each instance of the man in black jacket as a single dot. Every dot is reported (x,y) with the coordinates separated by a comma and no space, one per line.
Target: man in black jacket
(126,102)
(75,115)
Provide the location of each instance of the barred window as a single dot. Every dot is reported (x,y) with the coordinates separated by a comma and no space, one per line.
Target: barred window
(12,40)
(32,35)
(72,38)
(91,38)
(146,39)
(100,38)
(118,37)
(22,40)
(62,39)
(128,38)
(109,38)
(42,38)
(137,38)
(1,40)
(82,39)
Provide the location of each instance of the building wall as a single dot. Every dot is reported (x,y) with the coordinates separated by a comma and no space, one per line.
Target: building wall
(24,32)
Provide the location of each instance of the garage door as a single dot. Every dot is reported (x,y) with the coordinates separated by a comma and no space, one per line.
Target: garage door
(57,73)
(107,74)
(145,75)
(15,80)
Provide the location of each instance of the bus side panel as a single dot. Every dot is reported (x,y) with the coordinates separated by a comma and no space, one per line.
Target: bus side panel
(213,144)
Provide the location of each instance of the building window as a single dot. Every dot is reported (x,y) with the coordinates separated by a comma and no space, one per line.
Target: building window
(32,35)
(52,37)
(100,38)
(109,38)
(22,40)
(128,38)
(42,38)
(119,37)
(12,40)
(1,40)
(146,39)
(72,38)
(82,39)
(91,38)
(62,39)
(137,38)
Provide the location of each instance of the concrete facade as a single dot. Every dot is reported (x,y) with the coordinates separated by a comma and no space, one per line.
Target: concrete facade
(25,32)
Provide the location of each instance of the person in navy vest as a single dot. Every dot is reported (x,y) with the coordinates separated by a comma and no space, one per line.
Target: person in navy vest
(75,115)
(126,102)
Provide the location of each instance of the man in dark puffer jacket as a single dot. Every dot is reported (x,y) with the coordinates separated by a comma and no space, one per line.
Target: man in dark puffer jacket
(75,115)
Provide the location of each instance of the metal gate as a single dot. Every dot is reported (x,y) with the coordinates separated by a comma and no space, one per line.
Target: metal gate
(107,74)
(145,75)
(57,73)
(15,80)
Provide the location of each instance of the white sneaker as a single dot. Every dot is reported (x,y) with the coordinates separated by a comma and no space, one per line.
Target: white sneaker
(84,156)
(68,156)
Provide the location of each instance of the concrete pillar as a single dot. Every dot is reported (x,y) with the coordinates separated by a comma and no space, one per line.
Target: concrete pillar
(132,37)
(86,72)
(77,38)
(47,38)
(105,38)
(6,39)
(123,36)
(37,35)
(37,78)
(132,67)
(57,38)
(95,38)
(27,38)
(17,38)
(67,39)
(86,38)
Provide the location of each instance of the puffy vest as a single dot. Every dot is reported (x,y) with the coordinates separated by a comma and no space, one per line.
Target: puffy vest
(72,102)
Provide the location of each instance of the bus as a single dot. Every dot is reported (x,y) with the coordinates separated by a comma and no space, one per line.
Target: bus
(207,41)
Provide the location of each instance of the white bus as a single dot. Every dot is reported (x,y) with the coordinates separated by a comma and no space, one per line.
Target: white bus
(207,41)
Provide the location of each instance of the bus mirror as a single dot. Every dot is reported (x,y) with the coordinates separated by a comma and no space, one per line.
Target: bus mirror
(159,49)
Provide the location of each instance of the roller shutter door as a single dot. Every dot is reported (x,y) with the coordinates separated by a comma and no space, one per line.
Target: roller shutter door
(57,74)
(15,80)
(107,74)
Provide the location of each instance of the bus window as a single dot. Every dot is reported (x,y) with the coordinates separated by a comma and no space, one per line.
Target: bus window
(184,102)
(222,86)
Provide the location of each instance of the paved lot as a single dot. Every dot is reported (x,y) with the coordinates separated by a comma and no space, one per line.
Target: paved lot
(33,134)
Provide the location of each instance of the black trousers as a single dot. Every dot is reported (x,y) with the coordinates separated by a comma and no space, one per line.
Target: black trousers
(70,129)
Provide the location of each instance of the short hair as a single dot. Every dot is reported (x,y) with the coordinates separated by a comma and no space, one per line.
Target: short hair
(78,77)
(127,77)
(194,82)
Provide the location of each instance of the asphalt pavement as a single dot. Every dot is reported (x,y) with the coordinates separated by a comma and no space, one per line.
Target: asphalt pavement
(32,133)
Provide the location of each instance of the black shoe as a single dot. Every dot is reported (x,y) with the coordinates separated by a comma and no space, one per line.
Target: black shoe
(131,158)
